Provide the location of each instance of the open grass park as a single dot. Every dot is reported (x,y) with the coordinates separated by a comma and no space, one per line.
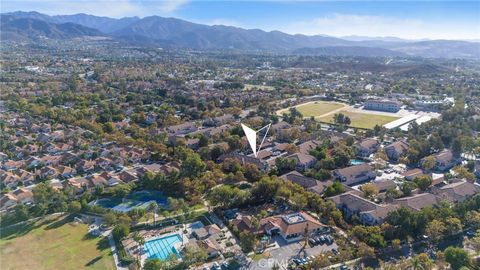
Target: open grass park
(53,243)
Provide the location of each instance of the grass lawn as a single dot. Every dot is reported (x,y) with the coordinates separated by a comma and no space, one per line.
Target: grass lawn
(362,120)
(316,108)
(53,243)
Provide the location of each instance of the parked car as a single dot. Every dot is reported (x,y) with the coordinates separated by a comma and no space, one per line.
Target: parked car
(470,233)
(216,266)
(322,239)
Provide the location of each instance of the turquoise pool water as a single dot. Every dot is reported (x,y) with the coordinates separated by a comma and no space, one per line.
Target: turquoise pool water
(356,161)
(161,248)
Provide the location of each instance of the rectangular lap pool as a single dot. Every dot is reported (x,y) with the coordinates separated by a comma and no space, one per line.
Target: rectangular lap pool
(161,248)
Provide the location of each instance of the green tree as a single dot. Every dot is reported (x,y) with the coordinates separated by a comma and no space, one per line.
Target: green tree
(429,162)
(247,241)
(110,219)
(456,257)
(435,230)
(334,189)
(407,188)
(193,166)
(74,207)
(120,231)
(370,190)
(423,182)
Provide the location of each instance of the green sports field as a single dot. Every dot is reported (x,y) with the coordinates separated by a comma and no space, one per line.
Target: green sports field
(317,108)
(362,120)
(54,243)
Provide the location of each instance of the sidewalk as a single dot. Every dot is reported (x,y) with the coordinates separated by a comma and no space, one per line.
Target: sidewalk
(114,252)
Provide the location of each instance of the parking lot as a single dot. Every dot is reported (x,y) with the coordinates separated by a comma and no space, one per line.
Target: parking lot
(286,252)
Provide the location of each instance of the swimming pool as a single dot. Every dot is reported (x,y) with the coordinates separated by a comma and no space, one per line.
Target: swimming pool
(356,161)
(161,248)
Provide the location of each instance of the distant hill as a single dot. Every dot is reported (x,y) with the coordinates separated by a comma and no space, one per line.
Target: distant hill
(176,33)
(26,28)
(350,51)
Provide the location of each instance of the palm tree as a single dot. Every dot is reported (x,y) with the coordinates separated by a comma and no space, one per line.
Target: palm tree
(153,208)
(140,241)
(416,264)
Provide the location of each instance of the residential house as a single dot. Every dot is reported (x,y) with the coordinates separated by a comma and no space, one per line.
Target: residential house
(219,120)
(366,147)
(65,171)
(23,195)
(412,174)
(444,160)
(79,184)
(368,212)
(303,161)
(307,183)
(291,227)
(127,176)
(7,201)
(457,192)
(417,201)
(355,174)
(243,159)
(48,172)
(85,165)
(396,150)
(307,146)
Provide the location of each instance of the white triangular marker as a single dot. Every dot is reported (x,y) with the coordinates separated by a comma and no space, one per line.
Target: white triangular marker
(252,137)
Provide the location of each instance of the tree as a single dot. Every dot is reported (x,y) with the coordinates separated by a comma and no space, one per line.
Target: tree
(152,207)
(291,149)
(120,231)
(153,264)
(365,251)
(194,255)
(247,241)
(252,173)
(423,182)
(463,172)
(74,207)
(435,230)
(396,243)
(370,190)
(422,262)
(392,193)
(407,188)
(21,212)
(429,162)
(110,219)
(193,166)
(472,219)
(453,225)
(456,257)
(334,189)
(285,165)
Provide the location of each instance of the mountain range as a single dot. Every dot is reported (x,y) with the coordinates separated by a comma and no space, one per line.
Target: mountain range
(175,33)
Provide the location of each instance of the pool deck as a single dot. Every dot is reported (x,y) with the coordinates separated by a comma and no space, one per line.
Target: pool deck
(149,236)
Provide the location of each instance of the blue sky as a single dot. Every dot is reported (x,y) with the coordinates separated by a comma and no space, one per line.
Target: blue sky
(405,19)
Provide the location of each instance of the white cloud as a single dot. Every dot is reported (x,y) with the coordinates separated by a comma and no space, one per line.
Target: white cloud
(169,6)
(109,8)
(380,26)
